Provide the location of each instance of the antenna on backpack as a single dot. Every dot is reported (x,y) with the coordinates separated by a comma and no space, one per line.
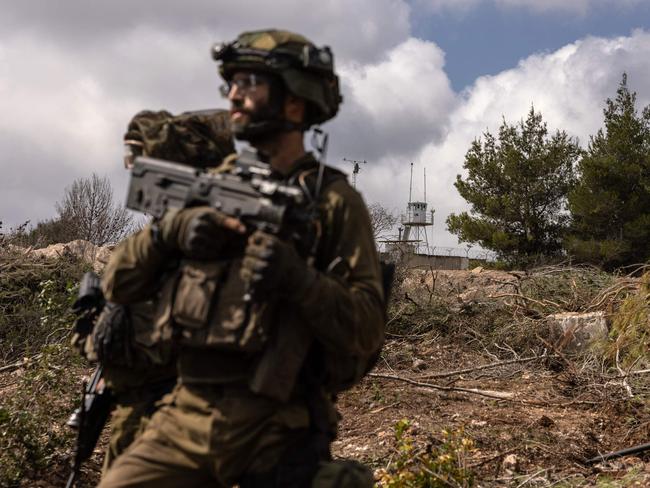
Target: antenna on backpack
(319,141)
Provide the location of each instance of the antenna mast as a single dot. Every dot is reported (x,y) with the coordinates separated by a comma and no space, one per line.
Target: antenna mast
(411,183)
(356,170)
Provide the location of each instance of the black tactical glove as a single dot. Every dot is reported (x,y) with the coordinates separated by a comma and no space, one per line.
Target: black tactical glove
(272,264)
(111,337)
(197,232)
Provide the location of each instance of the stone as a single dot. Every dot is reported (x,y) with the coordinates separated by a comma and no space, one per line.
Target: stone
(97,256)
(578,331)
(510,463)
(419,364)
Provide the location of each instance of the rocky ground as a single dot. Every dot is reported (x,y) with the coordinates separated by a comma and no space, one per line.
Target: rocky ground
(539,436)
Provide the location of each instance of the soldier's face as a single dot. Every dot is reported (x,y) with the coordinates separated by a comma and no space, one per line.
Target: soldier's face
(248,93)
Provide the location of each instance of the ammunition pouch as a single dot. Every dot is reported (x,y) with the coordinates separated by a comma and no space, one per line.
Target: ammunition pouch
(111,336)
(281,362)
(210,311)
(128,336)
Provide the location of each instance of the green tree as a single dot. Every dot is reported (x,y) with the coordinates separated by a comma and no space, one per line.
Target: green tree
(610,206)
(517,186)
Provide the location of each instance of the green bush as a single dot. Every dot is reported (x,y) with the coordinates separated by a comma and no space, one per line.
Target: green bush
(33,436)
(35,299)
(42,382)
(629,337)
(417,465)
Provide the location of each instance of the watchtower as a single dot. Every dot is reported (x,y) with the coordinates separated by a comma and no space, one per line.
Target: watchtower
(413,237)
(413,233)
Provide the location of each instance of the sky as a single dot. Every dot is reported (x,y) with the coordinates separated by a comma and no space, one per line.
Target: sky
(421,80)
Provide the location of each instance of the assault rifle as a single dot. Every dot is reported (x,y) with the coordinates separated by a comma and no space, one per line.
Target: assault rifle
(96,402)
(89,420)
(247,193)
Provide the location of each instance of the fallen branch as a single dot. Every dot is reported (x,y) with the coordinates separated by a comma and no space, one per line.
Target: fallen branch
(630,373)
(486,366)
(495,395)
(19,364)
(11,367)
(498,395)
(519,295)
(612,294)
(493,458)
(623,375)
(530,478)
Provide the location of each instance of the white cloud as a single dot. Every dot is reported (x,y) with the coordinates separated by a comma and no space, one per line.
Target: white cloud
(72,75)
(356,29)
(64,116)
(65,103)
(396,105)
(568,86)
(581,7)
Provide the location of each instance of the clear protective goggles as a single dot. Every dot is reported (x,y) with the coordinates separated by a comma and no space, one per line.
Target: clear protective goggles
(245,82)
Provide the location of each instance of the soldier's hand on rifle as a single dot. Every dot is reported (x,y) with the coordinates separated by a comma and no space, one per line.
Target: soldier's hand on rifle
(198,232)
(272,264)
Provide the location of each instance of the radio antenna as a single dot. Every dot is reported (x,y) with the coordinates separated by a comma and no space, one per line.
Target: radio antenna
(356,170)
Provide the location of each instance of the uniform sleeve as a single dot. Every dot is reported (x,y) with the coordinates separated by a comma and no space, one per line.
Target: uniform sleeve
(344,307)
(134,269)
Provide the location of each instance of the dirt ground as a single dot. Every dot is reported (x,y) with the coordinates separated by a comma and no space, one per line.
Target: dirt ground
(540,437)
(533,419)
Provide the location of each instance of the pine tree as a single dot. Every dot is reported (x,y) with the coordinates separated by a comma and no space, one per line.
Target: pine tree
(517,186)
(610,206)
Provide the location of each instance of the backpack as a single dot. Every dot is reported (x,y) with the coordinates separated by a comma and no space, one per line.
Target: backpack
(199,138)
(341,371)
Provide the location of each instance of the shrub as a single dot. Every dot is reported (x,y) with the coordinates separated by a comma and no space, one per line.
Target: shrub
(427,466)
(630,332)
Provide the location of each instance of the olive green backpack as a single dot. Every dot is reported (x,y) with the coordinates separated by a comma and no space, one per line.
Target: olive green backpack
(200,138)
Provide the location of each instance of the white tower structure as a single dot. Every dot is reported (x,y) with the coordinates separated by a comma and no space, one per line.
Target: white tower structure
(413,234)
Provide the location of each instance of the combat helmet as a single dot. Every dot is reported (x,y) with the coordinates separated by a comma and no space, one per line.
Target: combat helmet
(306,70)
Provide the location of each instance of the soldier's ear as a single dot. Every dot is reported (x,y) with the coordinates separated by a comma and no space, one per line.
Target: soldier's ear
(294,108)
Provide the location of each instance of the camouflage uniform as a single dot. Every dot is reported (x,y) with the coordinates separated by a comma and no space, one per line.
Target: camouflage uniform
(139,370)
(260,417)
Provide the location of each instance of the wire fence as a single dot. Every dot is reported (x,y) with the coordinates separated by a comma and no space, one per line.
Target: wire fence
(467,252)
(464,252)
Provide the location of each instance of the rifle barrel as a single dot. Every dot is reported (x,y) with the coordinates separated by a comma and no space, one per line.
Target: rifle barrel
(617,454)
(71,479)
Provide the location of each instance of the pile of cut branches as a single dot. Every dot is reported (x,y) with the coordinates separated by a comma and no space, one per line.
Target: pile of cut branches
(39,373)
(35,299)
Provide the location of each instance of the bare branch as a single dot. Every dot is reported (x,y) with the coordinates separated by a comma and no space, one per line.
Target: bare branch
(381,219)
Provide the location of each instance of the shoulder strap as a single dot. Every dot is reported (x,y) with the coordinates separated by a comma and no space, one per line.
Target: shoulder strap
(308,179)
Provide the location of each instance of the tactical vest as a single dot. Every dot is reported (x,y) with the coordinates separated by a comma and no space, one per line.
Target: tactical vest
(260,344)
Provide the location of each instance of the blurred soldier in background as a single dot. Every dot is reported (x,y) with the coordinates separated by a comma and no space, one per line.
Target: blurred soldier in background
(138,358)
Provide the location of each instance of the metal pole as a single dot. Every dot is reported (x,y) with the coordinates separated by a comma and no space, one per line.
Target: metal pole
(411,183)
(425,185)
